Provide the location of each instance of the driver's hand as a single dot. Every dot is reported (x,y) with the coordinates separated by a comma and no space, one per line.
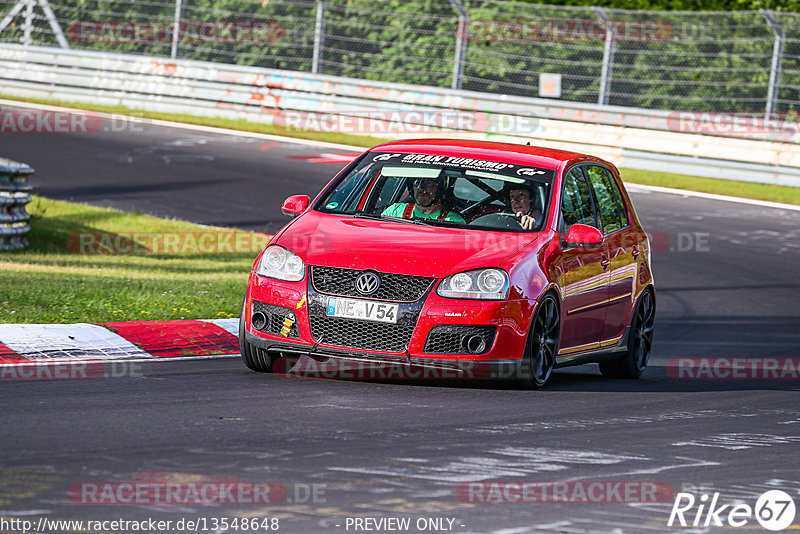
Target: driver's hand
(526,221)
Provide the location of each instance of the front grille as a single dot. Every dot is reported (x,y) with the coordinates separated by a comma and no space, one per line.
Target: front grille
(447,339)
(361,334)
(275,316)
(394,287)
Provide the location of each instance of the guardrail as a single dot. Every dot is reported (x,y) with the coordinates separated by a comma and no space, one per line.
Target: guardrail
(633,138)
(654,59)
(14,196)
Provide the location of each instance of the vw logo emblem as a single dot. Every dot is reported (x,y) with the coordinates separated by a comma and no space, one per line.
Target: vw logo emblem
(368,283)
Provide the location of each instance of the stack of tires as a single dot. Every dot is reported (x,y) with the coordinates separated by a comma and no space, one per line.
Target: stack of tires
(14,196)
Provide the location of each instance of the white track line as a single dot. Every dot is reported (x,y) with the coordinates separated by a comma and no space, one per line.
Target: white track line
(322,144)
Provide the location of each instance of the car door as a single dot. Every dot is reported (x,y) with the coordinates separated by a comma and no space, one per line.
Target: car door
(619,251)
(581,275)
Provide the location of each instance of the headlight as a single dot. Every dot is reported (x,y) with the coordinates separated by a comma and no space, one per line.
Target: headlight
(277,262)
(482,284)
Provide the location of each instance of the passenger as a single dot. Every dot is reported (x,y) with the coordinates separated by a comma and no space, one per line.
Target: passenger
(428,193)
(519,198)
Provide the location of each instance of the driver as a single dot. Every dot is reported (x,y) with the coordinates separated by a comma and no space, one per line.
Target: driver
(427,203)
(520,201)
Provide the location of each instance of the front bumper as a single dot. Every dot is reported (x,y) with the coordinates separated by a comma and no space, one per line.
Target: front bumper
(296,360)
(508,321)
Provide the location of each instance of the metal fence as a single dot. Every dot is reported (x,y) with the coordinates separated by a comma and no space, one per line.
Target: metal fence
(743,62)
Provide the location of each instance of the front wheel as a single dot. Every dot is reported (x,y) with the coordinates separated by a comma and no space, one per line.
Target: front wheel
(640,341)
(540,351)
(254,358)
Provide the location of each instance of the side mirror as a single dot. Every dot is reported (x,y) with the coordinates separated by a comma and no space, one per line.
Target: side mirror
(295,205)
(584,235)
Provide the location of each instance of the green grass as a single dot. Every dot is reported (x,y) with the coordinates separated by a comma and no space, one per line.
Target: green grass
(49,282)
(774,193)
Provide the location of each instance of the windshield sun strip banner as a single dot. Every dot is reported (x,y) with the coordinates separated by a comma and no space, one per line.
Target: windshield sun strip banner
(509,170)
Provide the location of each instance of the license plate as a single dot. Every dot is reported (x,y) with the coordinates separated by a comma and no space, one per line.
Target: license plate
(383,312)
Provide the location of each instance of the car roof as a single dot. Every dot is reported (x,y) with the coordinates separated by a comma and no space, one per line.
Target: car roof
(489,150)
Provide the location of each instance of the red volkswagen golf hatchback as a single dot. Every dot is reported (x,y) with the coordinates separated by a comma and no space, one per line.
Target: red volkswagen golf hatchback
(459,256)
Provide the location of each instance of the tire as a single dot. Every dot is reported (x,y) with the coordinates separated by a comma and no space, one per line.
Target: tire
(542,346)
(254,358)
(640,341)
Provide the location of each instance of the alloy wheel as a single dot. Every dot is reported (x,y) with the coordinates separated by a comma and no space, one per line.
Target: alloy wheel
(544,343)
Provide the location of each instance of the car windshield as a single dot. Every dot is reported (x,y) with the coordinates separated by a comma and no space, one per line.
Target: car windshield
(443,190)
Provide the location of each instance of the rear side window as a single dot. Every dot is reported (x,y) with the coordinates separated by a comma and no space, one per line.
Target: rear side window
(612,210)
(577,206)
(621,208)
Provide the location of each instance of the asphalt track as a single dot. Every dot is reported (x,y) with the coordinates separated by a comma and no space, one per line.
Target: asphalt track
(727,285)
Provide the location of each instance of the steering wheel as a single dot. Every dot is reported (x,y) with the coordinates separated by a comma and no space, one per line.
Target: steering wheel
(501,219)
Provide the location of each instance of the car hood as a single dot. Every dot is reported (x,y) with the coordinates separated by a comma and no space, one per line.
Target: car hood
(397,247)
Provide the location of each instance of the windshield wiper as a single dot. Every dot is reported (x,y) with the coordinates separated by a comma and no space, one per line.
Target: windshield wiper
(424,222)
(364,215)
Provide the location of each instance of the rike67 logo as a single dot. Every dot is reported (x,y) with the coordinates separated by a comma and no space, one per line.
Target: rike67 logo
(774,510)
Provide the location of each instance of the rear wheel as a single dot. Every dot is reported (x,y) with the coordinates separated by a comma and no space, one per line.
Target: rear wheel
(540,351)
(254,358)
(640,341)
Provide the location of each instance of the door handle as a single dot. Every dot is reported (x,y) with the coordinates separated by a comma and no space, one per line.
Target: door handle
(604,263)
(635,252)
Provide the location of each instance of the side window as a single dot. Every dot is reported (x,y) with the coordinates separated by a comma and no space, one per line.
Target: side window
(577,206)
(604,192)
(621,208)
(346,195)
